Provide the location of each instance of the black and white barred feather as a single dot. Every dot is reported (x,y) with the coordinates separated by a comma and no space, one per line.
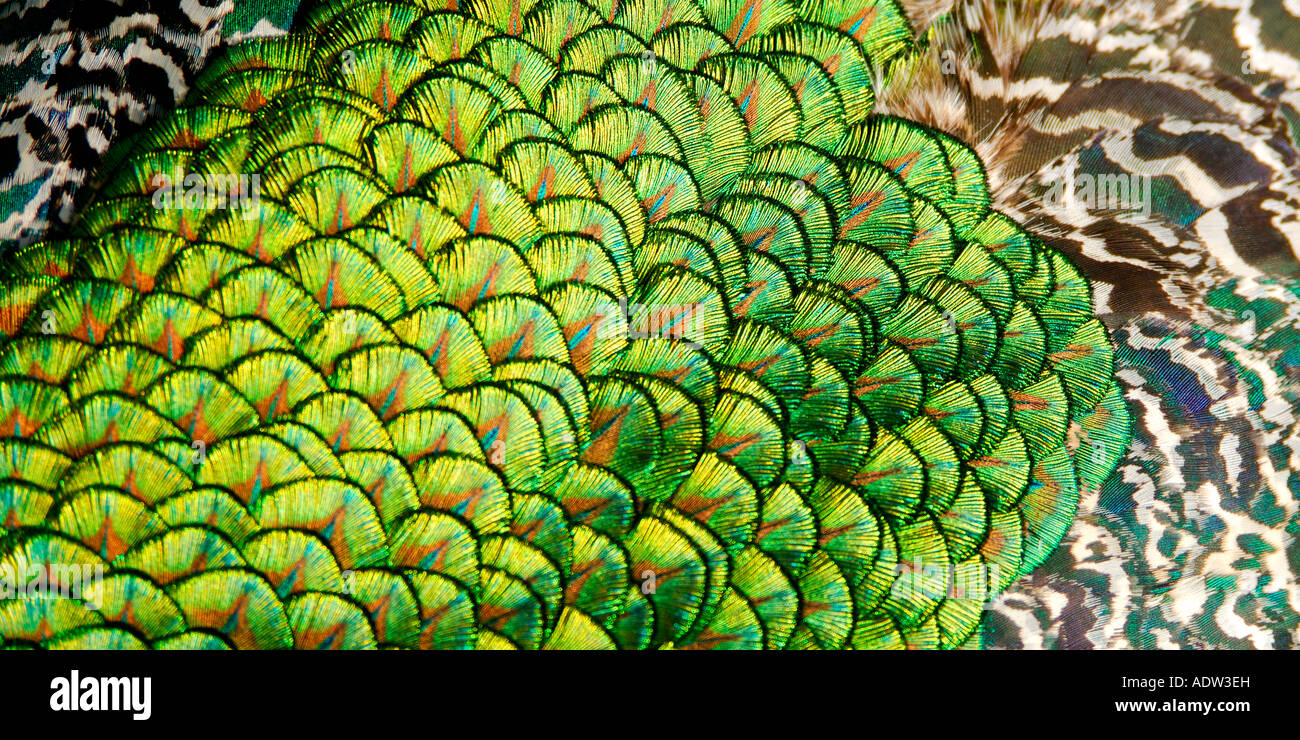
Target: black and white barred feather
(1154,142)
(77,75)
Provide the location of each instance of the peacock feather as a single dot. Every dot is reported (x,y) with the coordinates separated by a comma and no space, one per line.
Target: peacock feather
(1193,105)
(555,324)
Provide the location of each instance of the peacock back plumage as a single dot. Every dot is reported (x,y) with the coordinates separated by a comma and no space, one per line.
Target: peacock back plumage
(503,324)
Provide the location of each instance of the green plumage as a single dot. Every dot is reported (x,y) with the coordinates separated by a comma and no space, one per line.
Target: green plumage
(552,324)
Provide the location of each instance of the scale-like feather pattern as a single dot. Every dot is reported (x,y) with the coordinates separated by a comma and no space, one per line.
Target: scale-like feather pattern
(548,325)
